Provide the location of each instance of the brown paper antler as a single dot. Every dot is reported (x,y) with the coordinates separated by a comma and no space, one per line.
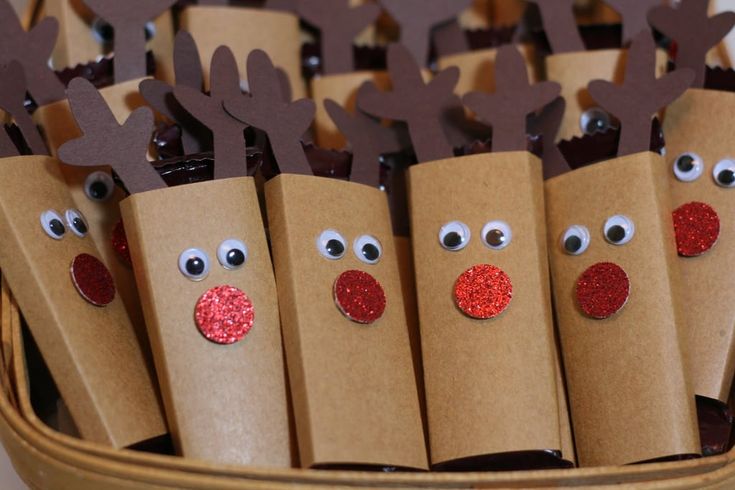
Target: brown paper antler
(546,123)
(633,13)
(128,18)
(420,105)
(339,24)
(31,49)
(694,32)
(560,25)
(268,110)
(514,99)
(418,17)
(12,100)
(105,142)
(641,95)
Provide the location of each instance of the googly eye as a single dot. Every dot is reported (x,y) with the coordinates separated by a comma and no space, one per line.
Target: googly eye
(594,120)
(368,249)
(150,30)
(102,31)
(497,235)
(194,264)
(53,224)
(575,240)
(724,173)
(99,186)
(454,236)
(688,167)
(232,254)
(331,245)
(76,222)
(619,230)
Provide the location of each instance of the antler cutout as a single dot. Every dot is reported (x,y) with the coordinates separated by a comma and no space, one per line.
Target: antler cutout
(641,95)
(633,13)
(105,142)
(128,19)
(418,17)
(283,5)
(420,105)
(339,24)
(560,25)
(12,101)
(268,110)
(694,32)
(547,123)
(514,99)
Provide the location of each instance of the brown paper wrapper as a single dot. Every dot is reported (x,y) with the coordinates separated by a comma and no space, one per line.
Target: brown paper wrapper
(243,30)
(225,404)
(490,385)
(699,122)
(629,397)
(91,351)
(478,15)
(353,386)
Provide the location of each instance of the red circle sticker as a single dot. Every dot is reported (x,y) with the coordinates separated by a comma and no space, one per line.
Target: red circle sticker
(359,296)
(697,228)
(603,290)
(224,315)
(483,291)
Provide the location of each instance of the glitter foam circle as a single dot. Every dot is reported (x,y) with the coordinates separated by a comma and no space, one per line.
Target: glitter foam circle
(602,290)
(224,315)
(92,280)
(359,296)
(697,228)
(120,243)
(483,291)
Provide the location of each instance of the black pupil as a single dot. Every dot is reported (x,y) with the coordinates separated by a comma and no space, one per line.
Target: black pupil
(495,238)
(195,266)
(596,124)
(235,257)
(573,244)
(452,239)
(726,177)
(79,225)
(335,248)
(616,233)
(370,252)
(685,163)
(98,190)
(57,227)
(104,30)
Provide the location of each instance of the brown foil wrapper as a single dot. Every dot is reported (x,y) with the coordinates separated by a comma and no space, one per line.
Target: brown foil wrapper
(629,396)
(225,403)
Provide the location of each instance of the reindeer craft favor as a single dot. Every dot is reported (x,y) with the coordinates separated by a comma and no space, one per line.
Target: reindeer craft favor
(205,278)
(615,282)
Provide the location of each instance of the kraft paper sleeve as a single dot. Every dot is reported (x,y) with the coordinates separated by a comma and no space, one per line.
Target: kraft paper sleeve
(224,403)
(490,384)
(353,385)
(629,397)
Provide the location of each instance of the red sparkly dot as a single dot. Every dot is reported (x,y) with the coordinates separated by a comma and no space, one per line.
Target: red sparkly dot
(92,280)
(224,315)
(483,291)
(120,243)
(697,228)
(359,296)
(603,290)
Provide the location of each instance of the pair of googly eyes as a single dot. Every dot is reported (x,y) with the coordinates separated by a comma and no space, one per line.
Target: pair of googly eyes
(618,230)
(455,235)
(55,226)
(332,245)
(194,263)
(594,120)
(689,166)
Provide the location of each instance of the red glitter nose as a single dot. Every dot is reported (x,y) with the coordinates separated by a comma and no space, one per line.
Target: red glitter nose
(359,296)
(483,291)
(603,290)
(92,280)
(120,243)
(224,315)
(697,228)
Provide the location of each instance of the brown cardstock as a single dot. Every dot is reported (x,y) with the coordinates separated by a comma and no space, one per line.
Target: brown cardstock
(243,30)
(353,386)
(91,351)
(477,15)
(697,123)
(490,384)
(629,396)
(225,403)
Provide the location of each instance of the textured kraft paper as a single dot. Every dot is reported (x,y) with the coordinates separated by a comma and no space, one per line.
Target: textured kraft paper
(491,385)
(575,70)
(699,122)
(225,403)
(353,386)
(629,398)
(91,351)
(243,30)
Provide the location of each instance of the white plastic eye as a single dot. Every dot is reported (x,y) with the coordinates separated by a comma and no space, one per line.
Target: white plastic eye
(99,186)
(53,224)
(594,120)
(575,240)
(331,245)
(232,254)
(688,167)
(368,249)
(497,235)
(724,173)
(619,230)
(454,236)
(194,264)
(76,222)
